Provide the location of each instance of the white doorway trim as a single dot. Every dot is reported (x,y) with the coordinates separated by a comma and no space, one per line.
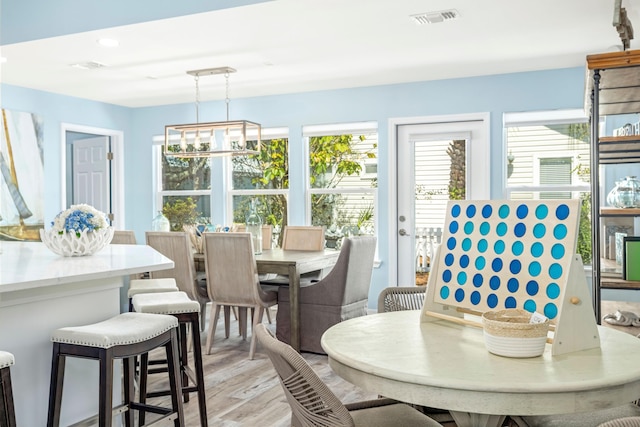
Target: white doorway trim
(117,171)
(394,123)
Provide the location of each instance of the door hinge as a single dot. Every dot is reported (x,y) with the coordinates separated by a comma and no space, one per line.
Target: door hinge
(110,155)
(111,217)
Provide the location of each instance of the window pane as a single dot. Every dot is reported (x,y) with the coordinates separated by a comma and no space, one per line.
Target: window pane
(271,208)
(527,144)
(343,161)
(185,173)
(178,214)
(268,170)
(347,212)
(555,171)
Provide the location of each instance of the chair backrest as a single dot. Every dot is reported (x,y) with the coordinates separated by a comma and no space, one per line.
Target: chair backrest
(303,238)
(267,233)
(232,274)
(312,402)
(401,298)
(176,246)
(350,278)
(622,422)
(123,237)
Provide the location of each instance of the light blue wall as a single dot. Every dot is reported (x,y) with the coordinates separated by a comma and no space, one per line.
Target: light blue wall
(530,91)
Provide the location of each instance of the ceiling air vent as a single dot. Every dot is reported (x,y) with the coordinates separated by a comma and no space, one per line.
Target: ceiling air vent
(435,17)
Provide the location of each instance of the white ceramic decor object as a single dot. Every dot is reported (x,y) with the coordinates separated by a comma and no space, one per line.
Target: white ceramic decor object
(70,244)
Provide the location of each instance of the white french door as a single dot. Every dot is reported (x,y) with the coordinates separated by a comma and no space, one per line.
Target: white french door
(436,161)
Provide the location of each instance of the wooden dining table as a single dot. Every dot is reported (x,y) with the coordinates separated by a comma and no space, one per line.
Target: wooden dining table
(446,365)
(292,264)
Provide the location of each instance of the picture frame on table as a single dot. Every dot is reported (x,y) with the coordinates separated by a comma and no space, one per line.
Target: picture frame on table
(631,258)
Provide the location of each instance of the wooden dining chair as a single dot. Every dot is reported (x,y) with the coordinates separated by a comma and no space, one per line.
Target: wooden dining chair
(299,238)
(303,238)
(123,237)
(232,281)
(267,234)
(176,246)
(314,404)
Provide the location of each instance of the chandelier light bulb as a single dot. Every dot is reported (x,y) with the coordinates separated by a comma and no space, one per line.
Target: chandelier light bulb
(196,141)
(183,141)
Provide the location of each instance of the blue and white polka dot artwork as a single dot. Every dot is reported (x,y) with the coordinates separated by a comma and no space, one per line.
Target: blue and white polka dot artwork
(498,254)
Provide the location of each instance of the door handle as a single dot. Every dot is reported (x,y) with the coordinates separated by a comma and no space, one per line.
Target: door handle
(403,232)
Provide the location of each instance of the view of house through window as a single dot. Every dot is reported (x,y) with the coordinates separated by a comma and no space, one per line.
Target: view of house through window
(342,178)
(548,158)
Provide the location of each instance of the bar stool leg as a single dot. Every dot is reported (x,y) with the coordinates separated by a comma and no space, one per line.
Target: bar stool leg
(7,410)
(197,356)
(128,369)
(55,394)
(184,360)
(105,399)
(174,365)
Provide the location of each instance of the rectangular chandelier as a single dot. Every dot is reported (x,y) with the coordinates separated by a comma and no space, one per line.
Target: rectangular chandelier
(215,139)
(212,139)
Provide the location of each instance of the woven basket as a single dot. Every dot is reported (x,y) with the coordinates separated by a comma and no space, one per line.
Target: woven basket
(509,333)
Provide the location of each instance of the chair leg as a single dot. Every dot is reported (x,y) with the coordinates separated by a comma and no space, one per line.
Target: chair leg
(144,374)
(199,371)
(256,319)
(184,359)
(203,316)
(105,399)
(227,320)
(128,369)
(173,368)
(55,386)
(213,324)
(7,409)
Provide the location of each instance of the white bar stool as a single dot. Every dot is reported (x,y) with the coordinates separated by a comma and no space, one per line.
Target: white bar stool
(150,286)
(187,312)
(121,337)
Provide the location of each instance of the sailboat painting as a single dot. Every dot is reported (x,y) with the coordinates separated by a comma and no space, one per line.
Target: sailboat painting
(21,176)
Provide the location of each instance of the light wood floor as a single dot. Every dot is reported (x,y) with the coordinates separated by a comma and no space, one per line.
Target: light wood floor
(246,393)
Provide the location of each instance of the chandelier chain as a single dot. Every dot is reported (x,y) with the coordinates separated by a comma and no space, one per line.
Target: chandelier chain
(197,78)
(226,77)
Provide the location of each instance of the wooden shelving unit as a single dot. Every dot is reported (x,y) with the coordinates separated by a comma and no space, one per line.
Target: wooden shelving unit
(613,87)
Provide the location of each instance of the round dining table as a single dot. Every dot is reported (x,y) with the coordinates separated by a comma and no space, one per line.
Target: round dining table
(446,365)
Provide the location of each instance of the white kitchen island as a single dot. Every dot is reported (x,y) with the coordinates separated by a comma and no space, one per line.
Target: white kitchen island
(41,291)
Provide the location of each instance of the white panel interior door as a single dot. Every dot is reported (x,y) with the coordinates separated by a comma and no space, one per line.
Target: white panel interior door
(423,176)
(91,173)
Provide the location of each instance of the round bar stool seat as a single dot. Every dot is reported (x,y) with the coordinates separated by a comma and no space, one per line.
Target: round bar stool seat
(150,286)
(187,312)
(7,410)
(121,337)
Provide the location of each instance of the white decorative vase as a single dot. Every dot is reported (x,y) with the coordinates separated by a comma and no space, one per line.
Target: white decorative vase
(69,244)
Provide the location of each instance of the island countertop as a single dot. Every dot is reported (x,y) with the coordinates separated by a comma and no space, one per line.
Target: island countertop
(28,265)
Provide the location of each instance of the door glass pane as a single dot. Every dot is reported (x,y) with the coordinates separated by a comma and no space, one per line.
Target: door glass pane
(440,176)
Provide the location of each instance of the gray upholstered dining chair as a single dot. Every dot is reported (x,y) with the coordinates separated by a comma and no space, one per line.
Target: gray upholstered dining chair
(232,281)
(397,298)
(342,294)
(176,246)
(314,404)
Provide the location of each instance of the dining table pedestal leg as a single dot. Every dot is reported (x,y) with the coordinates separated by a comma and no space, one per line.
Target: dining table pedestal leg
(466,419)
